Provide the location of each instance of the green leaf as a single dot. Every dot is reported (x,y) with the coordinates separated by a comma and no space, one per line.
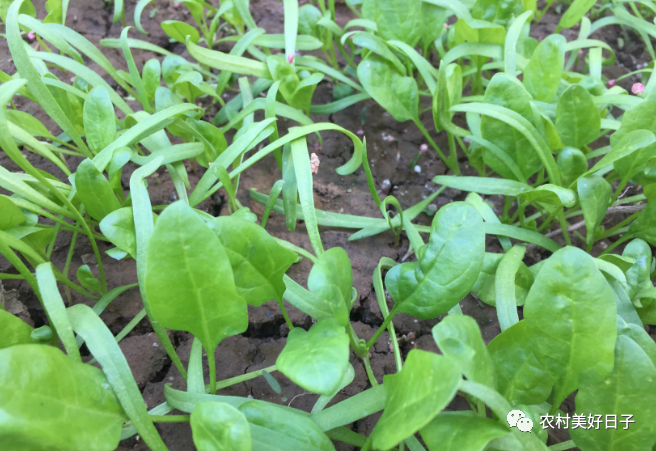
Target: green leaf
(478,31)
(151,75)
(494,11)
(87,279)
(628,390)
(572,321)
(232,63)
(644,226)
(520,377)
(575,13)
(305,300)
(290,188)
(15,331)
(448,266)
(572,164)
(415,395)
(594,194)
(507,92)
(56,310)
(483,185)
(99,123)
(179,31)
(10,215)
(625,145)
(550,194)
(69,403)
(217,426)
(258,261)
(377,45)
(54,10)
(396,19)
(186,261)
(577,117)
(94,191)
(397,94)
(545,69)
(275,428)
(317,359)
(638,276)
(459,337)
(460,432)
(105,349)
(118,227)
(331,280)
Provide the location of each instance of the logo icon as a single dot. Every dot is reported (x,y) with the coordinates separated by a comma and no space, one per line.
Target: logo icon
(517,418)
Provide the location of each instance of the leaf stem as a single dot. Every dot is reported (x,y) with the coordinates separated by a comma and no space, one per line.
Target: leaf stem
(369,370)
(212,364)
(285,315)
(169,418)
(563,226)
(447,161)
(383,326)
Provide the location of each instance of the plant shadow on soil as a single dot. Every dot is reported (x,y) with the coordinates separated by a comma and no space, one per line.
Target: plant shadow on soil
(393,165)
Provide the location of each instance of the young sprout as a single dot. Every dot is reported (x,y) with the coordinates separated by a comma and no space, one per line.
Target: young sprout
(611,83)
(423,149)
(637,88)
(314,163)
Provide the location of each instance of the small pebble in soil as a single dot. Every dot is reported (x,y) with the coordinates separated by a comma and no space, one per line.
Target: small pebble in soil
(386,184)
(418,169)
(360,132)
(411,336)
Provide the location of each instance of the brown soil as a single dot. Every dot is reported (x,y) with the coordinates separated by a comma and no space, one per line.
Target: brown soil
(265,337)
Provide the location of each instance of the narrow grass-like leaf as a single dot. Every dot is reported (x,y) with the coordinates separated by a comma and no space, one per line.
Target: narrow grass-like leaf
(54,306)
(35,84)
(134,72)
(306,191)
(104,348)
(232,63)
(290,9)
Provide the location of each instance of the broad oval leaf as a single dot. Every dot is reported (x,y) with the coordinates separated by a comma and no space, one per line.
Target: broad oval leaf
(594,194)
(507,92)
(94,191)
(87,279)
(217,426)
(629,390)
(317,359)
(451,432)
(521,378)
(258,261)
(10,215)
(459,337)
(399,95)
(179,31)
(118,227)
(15,331)
(571,164)
(331,280)
(396,19)
(577,117)
(448,265)
(70,404)
(275,428)
(572,320)
(99,119)
(415,395)
(545,69)
(189,280)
